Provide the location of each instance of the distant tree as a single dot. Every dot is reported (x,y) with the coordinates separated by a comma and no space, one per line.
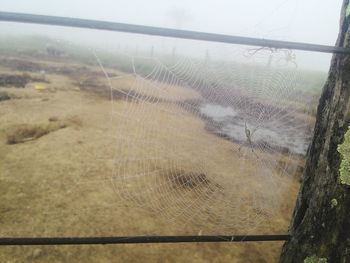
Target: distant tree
(54,52)
(320,227)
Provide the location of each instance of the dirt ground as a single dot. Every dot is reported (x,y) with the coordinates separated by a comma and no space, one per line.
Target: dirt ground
(65,170)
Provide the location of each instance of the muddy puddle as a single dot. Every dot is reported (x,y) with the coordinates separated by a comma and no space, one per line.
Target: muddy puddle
(283,133)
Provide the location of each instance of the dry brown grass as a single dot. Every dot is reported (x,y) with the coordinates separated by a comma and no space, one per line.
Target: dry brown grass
(74,120)
(65,191)
(148,88)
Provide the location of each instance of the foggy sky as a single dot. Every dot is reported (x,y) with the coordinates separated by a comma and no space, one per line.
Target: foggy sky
(313,21)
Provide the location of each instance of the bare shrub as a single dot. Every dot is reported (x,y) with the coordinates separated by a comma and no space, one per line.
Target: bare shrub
(4,96)
(28,132)
(53,119)
(18,81)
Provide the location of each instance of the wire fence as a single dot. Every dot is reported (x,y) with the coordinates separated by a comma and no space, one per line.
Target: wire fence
(24,241)
(164,32)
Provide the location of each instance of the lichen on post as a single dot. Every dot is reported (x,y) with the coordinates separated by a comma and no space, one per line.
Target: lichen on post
(315,259)
(344,150)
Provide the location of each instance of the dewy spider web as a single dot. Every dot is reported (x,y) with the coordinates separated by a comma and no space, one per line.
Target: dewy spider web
(206,143)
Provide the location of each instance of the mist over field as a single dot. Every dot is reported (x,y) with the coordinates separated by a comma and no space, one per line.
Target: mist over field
(118,134)
(312,22)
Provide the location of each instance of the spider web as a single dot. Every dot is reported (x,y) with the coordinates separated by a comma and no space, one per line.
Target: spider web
(205,143)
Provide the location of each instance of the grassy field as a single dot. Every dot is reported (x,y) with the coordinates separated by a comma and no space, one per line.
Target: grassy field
(65,159)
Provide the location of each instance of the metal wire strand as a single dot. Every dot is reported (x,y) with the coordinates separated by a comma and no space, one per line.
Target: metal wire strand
(24,241)
(165,32)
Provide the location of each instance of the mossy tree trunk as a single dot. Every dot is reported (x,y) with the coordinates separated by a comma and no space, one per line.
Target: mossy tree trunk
(320,227)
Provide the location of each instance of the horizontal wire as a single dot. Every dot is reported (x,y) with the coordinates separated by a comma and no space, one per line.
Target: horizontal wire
(31,241)
(165,32)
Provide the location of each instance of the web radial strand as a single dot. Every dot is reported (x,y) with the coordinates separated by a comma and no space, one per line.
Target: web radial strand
(205,143)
